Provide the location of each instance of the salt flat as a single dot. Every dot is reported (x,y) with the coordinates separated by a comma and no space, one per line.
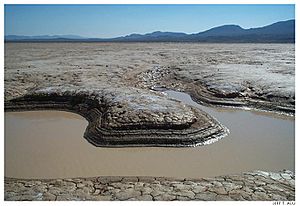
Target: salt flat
(260,72)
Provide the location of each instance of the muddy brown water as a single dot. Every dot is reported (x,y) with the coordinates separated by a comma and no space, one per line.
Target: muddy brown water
(50,144)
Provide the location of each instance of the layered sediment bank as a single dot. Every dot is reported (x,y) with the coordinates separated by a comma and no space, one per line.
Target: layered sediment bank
(240,94)
(127,117)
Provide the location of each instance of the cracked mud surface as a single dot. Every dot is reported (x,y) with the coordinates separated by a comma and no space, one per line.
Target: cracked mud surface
(257,185)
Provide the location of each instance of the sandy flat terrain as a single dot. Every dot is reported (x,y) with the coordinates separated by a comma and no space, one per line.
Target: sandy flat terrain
(243,71)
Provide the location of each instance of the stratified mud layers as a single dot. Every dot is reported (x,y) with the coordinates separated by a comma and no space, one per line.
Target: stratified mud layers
(202,95)
(163,78)
(119,118)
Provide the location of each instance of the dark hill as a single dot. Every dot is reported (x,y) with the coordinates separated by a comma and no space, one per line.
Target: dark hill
(279,32)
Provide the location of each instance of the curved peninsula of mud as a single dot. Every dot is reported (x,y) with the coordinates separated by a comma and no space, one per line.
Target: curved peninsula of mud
(126,117)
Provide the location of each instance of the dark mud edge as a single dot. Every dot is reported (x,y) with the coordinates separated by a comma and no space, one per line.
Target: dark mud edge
(168,80)
(93,107)
(203,97)
(200,97)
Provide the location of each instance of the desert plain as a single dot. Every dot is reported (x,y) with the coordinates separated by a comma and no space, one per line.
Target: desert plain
(119,89)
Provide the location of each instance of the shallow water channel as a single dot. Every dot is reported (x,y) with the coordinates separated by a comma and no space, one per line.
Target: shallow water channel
(50,144)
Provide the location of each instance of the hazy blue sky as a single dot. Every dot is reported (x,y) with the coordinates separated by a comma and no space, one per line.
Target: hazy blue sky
(116,20)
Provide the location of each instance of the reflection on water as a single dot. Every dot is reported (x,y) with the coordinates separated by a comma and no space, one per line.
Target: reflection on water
(38,148)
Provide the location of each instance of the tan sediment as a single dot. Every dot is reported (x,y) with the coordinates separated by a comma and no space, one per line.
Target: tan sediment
(50,144)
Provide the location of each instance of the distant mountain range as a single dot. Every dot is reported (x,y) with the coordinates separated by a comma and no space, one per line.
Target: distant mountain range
(279,32)
(41,37)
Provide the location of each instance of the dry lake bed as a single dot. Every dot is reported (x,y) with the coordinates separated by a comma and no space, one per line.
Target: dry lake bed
(149,121)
